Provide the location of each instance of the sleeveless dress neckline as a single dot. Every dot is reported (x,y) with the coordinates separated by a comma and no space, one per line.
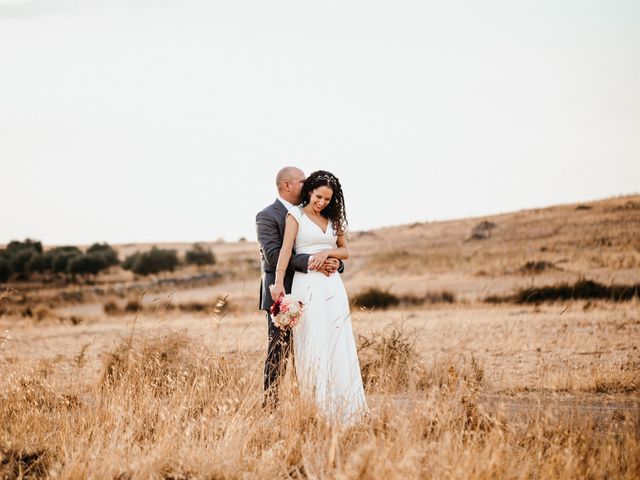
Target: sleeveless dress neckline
(324,232)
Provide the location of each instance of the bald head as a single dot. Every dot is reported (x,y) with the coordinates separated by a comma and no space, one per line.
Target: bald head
(286,174)
(289,182)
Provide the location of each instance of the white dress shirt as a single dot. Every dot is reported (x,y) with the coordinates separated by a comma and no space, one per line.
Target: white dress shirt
(288,205)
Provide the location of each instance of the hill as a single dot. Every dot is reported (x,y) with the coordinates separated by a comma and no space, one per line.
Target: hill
(598,240)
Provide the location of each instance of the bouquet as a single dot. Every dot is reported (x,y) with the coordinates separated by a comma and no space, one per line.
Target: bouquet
(286,312)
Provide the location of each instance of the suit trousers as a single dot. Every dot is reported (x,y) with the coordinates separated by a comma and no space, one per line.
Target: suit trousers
(278,350)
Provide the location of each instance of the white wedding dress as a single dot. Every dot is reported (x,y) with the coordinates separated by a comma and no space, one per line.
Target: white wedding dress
(325,355)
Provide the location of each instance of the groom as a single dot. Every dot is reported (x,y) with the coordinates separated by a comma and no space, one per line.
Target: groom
(270,228)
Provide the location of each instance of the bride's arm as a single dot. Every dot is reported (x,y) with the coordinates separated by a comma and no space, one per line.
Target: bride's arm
(341,252)
(290,232)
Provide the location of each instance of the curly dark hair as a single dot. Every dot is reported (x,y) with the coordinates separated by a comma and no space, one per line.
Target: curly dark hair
(335,210)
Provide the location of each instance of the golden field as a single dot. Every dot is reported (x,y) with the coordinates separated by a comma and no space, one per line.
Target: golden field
(160,377)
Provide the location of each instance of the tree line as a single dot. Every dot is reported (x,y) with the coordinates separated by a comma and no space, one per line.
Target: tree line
(22,259)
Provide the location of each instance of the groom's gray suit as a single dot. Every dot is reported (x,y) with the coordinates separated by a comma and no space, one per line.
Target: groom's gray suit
(270,228)
(270,224)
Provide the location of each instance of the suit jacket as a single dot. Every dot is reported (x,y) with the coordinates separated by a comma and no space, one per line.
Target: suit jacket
(270,228)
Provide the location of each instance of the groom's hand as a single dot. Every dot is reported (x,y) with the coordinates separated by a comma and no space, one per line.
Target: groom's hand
(330,266)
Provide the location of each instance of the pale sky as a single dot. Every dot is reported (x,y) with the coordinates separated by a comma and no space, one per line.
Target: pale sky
(131,121)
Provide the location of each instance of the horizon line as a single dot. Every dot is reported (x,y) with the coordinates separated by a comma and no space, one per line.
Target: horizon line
(222,240)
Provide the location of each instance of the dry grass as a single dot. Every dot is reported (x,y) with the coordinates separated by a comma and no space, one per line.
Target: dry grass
(166,407)
(595,377)
(460,389)
(553,245)
(136,305)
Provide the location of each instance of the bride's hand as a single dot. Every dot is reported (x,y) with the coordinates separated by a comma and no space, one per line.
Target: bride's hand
(277,291)
(317,261)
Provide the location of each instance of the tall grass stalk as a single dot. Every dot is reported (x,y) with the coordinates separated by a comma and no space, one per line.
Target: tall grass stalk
(167,407)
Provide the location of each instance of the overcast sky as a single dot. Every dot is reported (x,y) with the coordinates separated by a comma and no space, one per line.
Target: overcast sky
(130,121)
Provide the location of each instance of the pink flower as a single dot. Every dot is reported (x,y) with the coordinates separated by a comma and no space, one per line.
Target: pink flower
(286,312)
(275,308)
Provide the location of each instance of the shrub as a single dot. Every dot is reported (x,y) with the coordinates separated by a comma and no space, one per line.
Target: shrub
(60,261)
(60,257)
(27,257)
(482,230)
(536,266)
(193,307)
(19,254)
(154,261)
(200,256)
(41,312)
(107,252)
(376,298)
(130,261)
(5,270)
(16,246)
(39,263)
(445,296)
(581,290)
(497,299)
(88,263)
(133,305)
(20,259)
(67,249)
(111,308)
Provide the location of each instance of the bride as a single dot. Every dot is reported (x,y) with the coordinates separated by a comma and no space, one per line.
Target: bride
(325,354)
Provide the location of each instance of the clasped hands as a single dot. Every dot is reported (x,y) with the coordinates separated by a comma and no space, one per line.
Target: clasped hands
(319,262)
